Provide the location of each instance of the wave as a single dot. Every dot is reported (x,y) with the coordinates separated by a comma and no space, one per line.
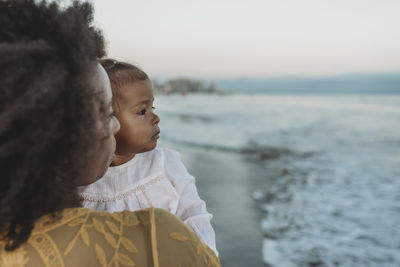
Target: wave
(252,149)
(190,118)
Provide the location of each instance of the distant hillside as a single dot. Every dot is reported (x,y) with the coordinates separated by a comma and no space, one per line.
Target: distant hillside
(183,86)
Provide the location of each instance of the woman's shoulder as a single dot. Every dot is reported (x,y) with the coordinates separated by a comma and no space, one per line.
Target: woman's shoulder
(158,233)
(151,233)
(84,237)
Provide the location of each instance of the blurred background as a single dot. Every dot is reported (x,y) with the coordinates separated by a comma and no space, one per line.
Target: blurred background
(288,115)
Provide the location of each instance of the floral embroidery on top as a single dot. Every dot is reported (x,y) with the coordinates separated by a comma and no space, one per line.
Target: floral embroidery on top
(107,239)
(200,247)
(107,229)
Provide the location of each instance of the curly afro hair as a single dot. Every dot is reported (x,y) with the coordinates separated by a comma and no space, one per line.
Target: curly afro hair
(47,114)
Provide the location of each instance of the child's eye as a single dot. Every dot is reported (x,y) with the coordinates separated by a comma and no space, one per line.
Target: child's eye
(153,107)
(142,112)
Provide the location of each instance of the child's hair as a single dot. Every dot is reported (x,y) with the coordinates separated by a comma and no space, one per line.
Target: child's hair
(121,73)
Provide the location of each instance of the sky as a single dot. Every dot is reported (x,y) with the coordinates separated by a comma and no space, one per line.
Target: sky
(253,38)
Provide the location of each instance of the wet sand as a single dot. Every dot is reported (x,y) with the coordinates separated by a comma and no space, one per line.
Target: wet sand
(226,181)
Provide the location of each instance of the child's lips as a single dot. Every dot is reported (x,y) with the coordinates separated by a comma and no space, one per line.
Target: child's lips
(156,136)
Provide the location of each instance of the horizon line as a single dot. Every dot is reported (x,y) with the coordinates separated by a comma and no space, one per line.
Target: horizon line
(286,76)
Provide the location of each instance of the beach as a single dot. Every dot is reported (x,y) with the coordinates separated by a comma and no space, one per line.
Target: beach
(293,180)
(222,181)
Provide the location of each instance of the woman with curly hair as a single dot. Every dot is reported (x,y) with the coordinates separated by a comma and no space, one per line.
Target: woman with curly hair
(57,133)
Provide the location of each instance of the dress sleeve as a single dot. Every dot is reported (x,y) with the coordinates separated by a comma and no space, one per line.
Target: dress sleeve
(191,208)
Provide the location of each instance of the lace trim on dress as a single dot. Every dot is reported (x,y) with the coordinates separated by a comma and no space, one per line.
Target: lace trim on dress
(142,187)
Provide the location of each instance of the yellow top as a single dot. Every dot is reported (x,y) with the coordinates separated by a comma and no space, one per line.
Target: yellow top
(83,237)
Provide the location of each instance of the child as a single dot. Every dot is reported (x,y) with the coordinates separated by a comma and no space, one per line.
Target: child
(141,175)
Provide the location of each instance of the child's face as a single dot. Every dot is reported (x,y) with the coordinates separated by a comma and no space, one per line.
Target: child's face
(139,125)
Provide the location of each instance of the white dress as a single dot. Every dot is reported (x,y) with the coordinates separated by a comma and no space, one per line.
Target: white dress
(157,179)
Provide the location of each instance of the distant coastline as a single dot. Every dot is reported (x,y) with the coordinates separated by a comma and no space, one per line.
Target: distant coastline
(344,84)
(183,86)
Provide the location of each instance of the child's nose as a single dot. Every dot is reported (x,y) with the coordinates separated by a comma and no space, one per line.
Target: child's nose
(156,119)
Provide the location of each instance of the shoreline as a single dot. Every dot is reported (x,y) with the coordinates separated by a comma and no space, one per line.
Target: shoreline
(224,183)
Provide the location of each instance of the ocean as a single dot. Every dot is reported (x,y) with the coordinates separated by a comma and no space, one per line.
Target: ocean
(293,179)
